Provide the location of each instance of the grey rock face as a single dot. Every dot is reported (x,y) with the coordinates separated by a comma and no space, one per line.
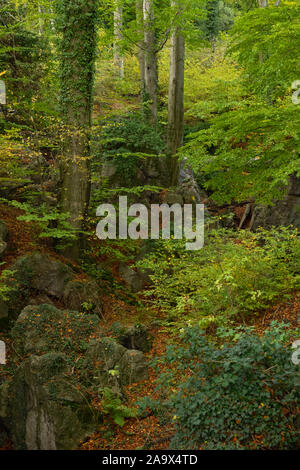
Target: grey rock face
(3,310)
(43,273)
(44,328)
(108,364)
(3,248)
(132,278)
(136,337)
(47,412)
(3,231)
(285,212)
(3,238)
(83,295)
(133,367)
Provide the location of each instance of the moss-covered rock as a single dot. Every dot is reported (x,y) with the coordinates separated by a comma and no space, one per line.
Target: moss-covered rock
(100,365)
(133,367)
(3,248)
(43,328)
(3,312)
(135,337)
(83,295)
(43,273)
(109,364)
(49,409)
(3,231)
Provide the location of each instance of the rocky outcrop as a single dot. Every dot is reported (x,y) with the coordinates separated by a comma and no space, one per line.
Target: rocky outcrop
(40,278)
(284,212)
(4,312)
(3,238)
(134,280)
(46,404)
(43,273)
(83,295)
(48,407)
(132,367)
(43,328)
(135,337)
(109,364)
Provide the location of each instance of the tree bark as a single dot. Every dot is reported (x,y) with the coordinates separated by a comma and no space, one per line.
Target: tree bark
(150,59)
(141,45)
(176,98)
(262,4)
(77,49)
(118,29)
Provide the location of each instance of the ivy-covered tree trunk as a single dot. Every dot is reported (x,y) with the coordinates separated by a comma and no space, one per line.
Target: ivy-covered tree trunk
(150,59)
(77,25)
(176,96)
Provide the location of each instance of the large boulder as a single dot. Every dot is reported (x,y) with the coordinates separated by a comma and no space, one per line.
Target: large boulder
(132,278)
(43,328)
(4,311)
(284,212)
(134,337)
(83,295)
(49,410)
(3,238)
(3,248)
(43,273)
(137,279)
(3,231)
(107,364)
(132,367)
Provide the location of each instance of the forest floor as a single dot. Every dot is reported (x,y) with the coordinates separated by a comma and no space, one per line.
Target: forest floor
(137,433)
(148,433)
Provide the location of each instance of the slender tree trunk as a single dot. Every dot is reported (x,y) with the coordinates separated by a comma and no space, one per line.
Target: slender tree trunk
(176,97)
(118,29)
(262,4)
(150,59)
(141,45)
(77,48)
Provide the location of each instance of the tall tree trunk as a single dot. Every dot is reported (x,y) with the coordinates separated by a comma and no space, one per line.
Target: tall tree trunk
(262,4)
(150,59)
(176,97)
(77,47)
(141,45)
(118,34)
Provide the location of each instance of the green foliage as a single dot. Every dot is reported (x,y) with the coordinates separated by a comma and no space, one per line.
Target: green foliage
(126,142)
(220,88)
(261,41)
(233,276)
(22,53)
(6,288)
(252,145)
(47,219)
(237,395)
(77,55)
(112,406)
(248,152)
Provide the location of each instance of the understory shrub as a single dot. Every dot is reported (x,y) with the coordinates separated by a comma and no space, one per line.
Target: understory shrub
(242,394)
(232,276)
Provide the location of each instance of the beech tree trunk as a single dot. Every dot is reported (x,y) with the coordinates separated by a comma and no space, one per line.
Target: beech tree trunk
(150,77)
(118,28)
(141,45)
(77,50)
(176,98)
(262,4)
